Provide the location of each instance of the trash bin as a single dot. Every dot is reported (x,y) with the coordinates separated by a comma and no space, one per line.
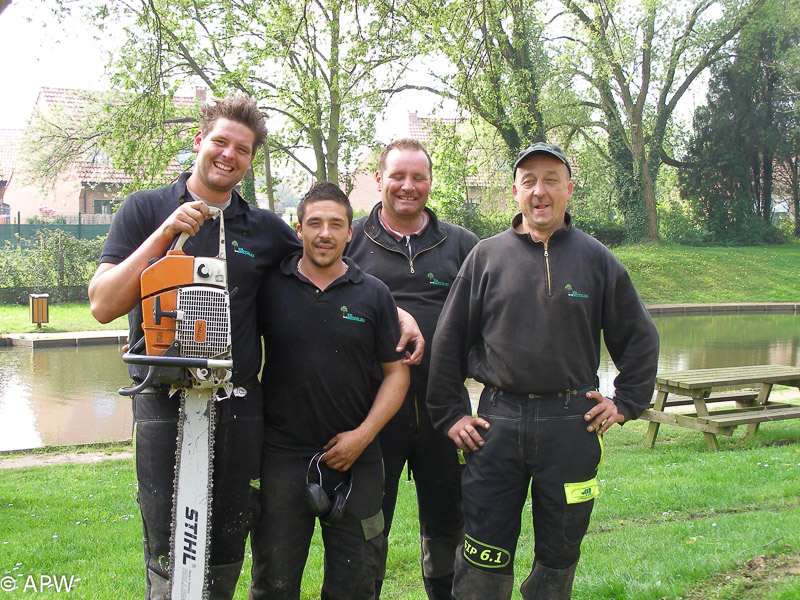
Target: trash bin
(39,309)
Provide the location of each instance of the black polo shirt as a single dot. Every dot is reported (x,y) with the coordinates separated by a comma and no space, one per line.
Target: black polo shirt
(255,240)
(323,355)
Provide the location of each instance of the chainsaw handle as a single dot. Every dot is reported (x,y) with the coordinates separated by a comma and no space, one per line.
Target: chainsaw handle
(177,244)
(177,361)
(132,391)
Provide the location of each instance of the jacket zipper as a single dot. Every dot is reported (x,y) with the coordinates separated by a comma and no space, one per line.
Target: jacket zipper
(547,269)
(410,259)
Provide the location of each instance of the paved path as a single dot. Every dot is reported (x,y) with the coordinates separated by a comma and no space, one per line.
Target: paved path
(44,460)
(67,339)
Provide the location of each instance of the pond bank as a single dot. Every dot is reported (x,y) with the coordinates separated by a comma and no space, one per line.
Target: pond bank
(118,337)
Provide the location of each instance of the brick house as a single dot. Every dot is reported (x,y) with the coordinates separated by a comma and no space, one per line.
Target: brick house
(9,146)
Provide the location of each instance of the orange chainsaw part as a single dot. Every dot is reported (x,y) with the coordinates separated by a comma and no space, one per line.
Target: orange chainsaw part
(161,280)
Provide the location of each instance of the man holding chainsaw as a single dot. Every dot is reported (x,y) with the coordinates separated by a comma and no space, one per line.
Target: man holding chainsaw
(231,130)
(332,379)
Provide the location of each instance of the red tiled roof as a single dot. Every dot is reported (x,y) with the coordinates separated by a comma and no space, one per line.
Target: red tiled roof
(423,129)
(78,99)
(93,173)
(76,102)
(10,140)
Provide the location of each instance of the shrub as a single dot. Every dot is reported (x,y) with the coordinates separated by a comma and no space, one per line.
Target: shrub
(54,258)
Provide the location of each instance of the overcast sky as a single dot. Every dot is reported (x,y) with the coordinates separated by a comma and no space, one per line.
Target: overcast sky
(36,51)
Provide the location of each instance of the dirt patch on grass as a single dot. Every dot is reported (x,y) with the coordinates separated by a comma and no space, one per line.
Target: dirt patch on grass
(43,460)
(756,579)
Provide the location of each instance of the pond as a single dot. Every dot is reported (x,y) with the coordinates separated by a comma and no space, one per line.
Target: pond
(58,396)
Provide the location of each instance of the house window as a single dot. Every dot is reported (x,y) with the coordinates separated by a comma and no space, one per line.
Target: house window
(102,207)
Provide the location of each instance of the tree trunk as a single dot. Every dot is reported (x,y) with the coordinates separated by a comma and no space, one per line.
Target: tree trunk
(794,164)
(650,206)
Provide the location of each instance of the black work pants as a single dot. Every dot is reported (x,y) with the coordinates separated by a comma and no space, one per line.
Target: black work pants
(433,461)
(536,441)
(282,537)
(238,444)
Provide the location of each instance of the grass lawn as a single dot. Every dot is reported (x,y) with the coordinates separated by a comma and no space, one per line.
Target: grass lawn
(675,274)
(15,318)
(674,521)
(662,274)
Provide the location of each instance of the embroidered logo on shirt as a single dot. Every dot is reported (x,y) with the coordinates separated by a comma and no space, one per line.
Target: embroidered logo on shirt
(238,250)
(433,281)
(572,293)
(346,315)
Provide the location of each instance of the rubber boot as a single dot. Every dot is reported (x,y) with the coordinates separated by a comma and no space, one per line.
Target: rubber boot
(477,584)
(439,588)
(158,586)
(222,581)
(545,583)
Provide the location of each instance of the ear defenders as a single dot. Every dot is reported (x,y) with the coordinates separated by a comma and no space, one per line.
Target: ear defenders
(328,507)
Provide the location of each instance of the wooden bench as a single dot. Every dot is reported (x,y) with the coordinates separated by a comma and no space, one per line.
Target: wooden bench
(751,387)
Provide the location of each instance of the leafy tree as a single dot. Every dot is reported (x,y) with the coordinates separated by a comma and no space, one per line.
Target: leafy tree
(738,137)
(639,60)
(139,135)
(316,67)
(495,48)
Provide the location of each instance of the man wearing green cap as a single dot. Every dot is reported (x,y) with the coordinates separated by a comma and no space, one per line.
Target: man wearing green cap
(524,317)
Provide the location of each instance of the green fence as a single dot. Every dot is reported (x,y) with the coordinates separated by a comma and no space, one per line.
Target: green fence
(58,294)
(27,231)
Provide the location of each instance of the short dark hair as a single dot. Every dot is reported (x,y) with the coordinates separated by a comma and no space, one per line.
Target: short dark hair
(320,191)
(240,108)
(404,144)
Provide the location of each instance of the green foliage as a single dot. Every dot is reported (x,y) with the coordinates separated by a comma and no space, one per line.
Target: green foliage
(248,188)
(638,60)
(469,166)
(733,151)
(319,70)
(138,135)
(500,65)
(676,225)
(52,258)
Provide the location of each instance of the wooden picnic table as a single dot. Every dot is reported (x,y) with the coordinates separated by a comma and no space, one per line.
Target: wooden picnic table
(751,387)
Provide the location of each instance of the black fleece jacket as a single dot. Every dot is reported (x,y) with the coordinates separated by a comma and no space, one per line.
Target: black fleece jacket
(420,279)
(527,317)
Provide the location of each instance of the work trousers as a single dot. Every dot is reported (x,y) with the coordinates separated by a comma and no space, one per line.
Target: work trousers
(433,462)
(536,441)
(238,441)
(281,539)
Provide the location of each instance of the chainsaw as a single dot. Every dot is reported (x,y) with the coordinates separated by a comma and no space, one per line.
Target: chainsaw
(187,343)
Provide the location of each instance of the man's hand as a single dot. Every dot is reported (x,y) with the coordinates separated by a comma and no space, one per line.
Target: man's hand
(604,415)
(410,334)
(187,218)
(114,290)
(465,435)
(344,449)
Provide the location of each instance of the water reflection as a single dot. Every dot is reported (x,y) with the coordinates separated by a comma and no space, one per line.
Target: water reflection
(709,342)
(56,396)
(68,395)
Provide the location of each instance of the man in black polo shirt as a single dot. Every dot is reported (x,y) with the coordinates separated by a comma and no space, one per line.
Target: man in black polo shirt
(404,244)
(231,130)
(332,379)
